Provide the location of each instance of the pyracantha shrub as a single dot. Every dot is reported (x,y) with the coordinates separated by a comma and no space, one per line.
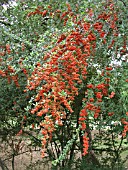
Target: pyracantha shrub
(79,79)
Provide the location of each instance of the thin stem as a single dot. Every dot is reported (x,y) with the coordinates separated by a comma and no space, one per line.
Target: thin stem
(13,161)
